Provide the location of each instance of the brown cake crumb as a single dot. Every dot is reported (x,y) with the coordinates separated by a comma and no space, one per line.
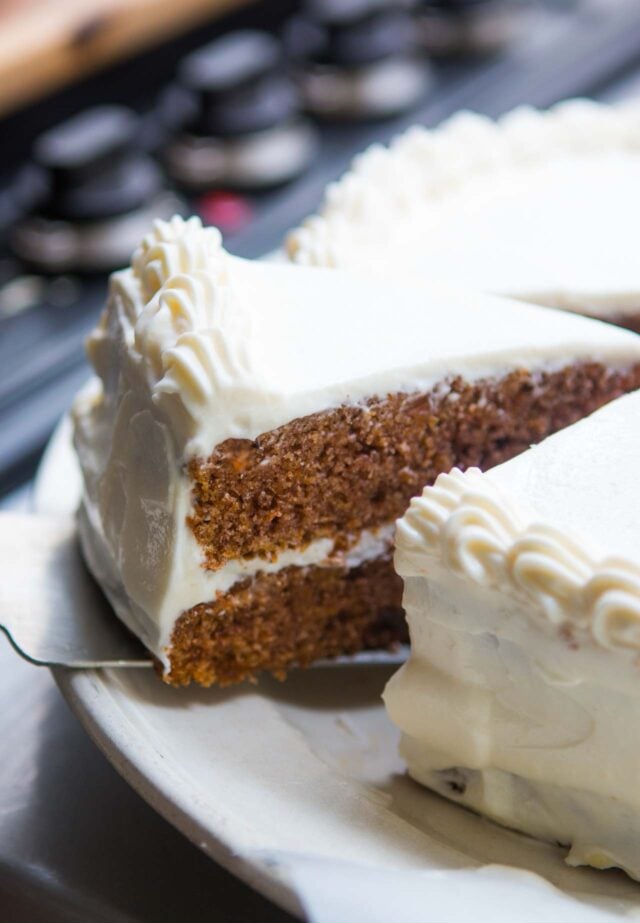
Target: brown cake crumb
(337,472)
(294,616)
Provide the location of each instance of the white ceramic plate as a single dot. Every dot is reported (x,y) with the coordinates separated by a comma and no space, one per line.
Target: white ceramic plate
(303,767)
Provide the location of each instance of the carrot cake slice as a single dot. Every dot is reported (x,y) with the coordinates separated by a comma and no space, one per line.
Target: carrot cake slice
(255,429)
(540,206)
(522,592)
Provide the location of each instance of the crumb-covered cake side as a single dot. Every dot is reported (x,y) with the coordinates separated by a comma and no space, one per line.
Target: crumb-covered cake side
(254,430)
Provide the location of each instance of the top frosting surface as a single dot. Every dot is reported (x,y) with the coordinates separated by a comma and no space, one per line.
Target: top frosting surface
(539,206)
(583,480)
(230,348)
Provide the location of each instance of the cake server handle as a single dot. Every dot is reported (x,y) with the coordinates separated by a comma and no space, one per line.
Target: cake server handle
(50,608)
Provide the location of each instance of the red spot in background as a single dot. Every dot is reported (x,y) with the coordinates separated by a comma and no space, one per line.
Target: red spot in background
(227,210)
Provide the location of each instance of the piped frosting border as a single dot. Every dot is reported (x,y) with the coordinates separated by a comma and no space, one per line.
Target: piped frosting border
(484,536)
(421,167)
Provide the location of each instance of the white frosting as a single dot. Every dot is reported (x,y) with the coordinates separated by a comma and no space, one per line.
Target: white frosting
(539,206)
(484,537)
(196,347)
(226,348)
(522,591)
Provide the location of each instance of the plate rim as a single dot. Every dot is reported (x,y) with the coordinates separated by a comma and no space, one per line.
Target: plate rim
(94,702)
(81,690)
(90,700)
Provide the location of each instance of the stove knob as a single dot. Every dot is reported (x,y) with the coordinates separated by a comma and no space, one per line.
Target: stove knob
(356,59)
(11,210)
(469,27)
(100,192)
(236,116)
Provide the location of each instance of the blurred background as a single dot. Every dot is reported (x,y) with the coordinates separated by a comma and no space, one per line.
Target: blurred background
(116,111)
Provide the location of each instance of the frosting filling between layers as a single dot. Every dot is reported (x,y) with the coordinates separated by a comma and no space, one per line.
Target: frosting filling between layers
(151,604)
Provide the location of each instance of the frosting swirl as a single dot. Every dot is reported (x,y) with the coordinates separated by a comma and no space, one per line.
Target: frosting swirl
(481,535)
(180,318)
(423,166)
(193,332)
(177,247)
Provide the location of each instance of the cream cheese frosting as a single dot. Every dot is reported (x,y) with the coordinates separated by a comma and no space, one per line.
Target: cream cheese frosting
(522,591)
(540,206)
(196,347)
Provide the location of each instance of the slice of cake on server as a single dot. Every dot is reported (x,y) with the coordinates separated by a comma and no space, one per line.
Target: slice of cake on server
(522,591)
(255,430)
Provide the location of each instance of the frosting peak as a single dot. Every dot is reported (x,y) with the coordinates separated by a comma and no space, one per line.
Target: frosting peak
(185,304)
(191,324)
(177,247)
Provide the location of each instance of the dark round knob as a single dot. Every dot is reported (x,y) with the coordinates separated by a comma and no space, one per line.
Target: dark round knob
(231,62)
(348,34)
(86,141)
(235,85)
(456,6)
(93,168)
(19,196)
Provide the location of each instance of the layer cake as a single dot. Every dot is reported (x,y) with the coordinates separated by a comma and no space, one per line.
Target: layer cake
(254,430)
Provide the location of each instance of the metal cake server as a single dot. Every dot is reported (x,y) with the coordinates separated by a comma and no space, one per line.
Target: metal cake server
(50,608)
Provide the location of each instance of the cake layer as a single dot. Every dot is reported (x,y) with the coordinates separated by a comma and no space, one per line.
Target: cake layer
(253,418)
(538,205)
(149,594)
(522,592)
(355,467)
(289,618)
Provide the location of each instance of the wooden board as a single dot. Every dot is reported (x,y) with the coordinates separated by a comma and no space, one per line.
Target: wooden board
(45,44)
